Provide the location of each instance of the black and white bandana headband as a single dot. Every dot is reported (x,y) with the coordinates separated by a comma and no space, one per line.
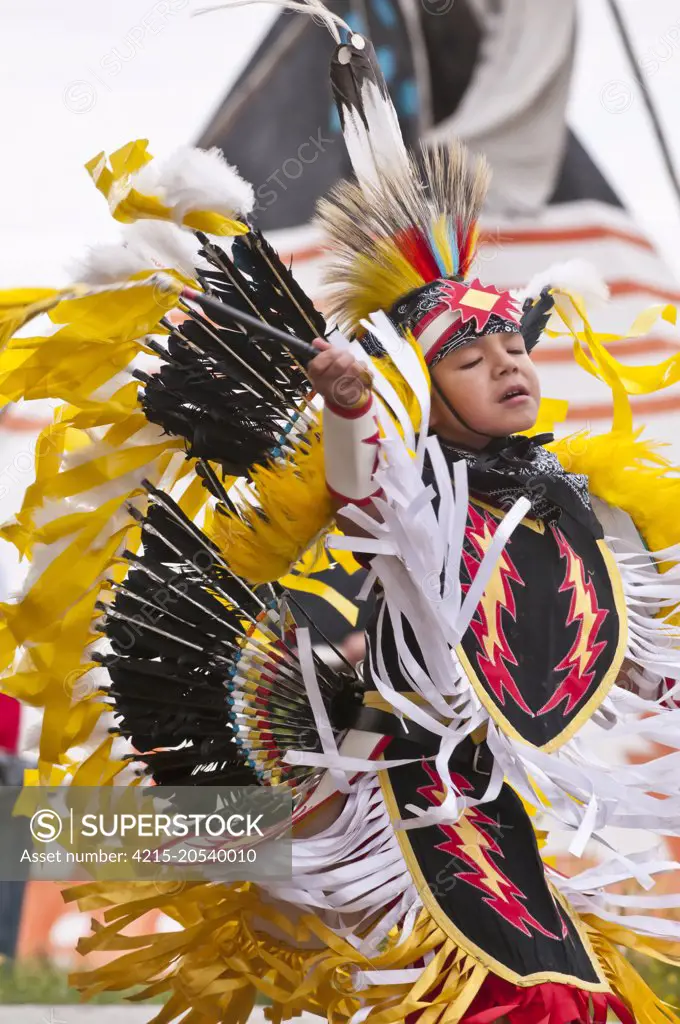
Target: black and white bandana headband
(447,314)
(469,332)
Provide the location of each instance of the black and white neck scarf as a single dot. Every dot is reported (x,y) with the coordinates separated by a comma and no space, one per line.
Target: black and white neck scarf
(520,467)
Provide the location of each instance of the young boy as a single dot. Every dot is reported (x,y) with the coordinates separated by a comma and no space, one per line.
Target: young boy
(503,618)
(489,891)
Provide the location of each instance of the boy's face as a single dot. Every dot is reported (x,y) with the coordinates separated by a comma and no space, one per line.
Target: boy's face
(492,384)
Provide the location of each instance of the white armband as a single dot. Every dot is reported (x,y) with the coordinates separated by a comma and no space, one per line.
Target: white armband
(351,440)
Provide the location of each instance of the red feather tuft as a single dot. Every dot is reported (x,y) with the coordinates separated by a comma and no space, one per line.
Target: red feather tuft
(414,245)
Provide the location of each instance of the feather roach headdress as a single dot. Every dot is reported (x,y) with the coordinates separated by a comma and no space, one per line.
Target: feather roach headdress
(403,235)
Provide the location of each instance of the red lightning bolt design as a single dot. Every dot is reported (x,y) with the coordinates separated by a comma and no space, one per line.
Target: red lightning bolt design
(580,661)
(487,624)
(468,842)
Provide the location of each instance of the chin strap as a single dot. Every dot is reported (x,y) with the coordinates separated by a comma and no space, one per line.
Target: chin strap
(480,433)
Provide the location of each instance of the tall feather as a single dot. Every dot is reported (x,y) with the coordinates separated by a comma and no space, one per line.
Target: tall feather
(369,122)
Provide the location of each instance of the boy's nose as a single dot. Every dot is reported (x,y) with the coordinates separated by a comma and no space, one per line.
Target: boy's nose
(504,365)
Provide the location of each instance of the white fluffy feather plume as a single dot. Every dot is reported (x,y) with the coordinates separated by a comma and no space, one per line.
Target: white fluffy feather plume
(107,264)
(164,245)
(201,179)
(144,245)
(577,277)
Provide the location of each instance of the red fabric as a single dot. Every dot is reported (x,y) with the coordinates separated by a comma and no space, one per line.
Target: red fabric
(10,714)
(666,686)
(350,412)
(345,500)
(549,1003)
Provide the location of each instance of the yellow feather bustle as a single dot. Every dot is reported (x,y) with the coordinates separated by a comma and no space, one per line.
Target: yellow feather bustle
(90,462)
(73,521)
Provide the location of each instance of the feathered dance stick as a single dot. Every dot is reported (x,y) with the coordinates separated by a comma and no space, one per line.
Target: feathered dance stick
(224,314)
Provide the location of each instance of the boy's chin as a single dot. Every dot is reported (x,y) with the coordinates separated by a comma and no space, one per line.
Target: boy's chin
(517,420)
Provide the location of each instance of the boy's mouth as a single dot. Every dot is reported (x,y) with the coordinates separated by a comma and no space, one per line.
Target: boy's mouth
(516,393)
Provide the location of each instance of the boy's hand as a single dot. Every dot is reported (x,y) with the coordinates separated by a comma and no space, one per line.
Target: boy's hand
(338,377)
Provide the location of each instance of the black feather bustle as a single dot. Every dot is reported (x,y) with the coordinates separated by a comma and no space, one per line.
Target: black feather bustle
(179,629)
(255,256)
(230,394)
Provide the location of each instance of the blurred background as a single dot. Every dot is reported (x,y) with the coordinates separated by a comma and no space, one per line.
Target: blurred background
(574,103)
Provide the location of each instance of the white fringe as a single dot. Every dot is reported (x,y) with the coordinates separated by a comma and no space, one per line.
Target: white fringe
(578,791)
(354,867)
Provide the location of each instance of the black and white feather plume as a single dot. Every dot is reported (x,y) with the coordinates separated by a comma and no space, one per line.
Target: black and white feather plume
(369,122)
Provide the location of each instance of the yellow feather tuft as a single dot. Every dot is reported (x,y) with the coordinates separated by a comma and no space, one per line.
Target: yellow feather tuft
(631,474)
(264,541)
(374,282)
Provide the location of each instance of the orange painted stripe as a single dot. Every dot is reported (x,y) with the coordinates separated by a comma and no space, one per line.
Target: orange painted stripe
(305,255)
(541,236)
(652,406)
(13,424)
(549,353)
(535,236)
(620,288)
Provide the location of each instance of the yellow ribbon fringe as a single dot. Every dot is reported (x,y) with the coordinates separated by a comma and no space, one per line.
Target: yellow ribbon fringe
(226,954)
(622,469)
(221,961)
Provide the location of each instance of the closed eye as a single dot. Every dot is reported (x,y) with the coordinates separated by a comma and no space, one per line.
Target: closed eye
(468,366)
